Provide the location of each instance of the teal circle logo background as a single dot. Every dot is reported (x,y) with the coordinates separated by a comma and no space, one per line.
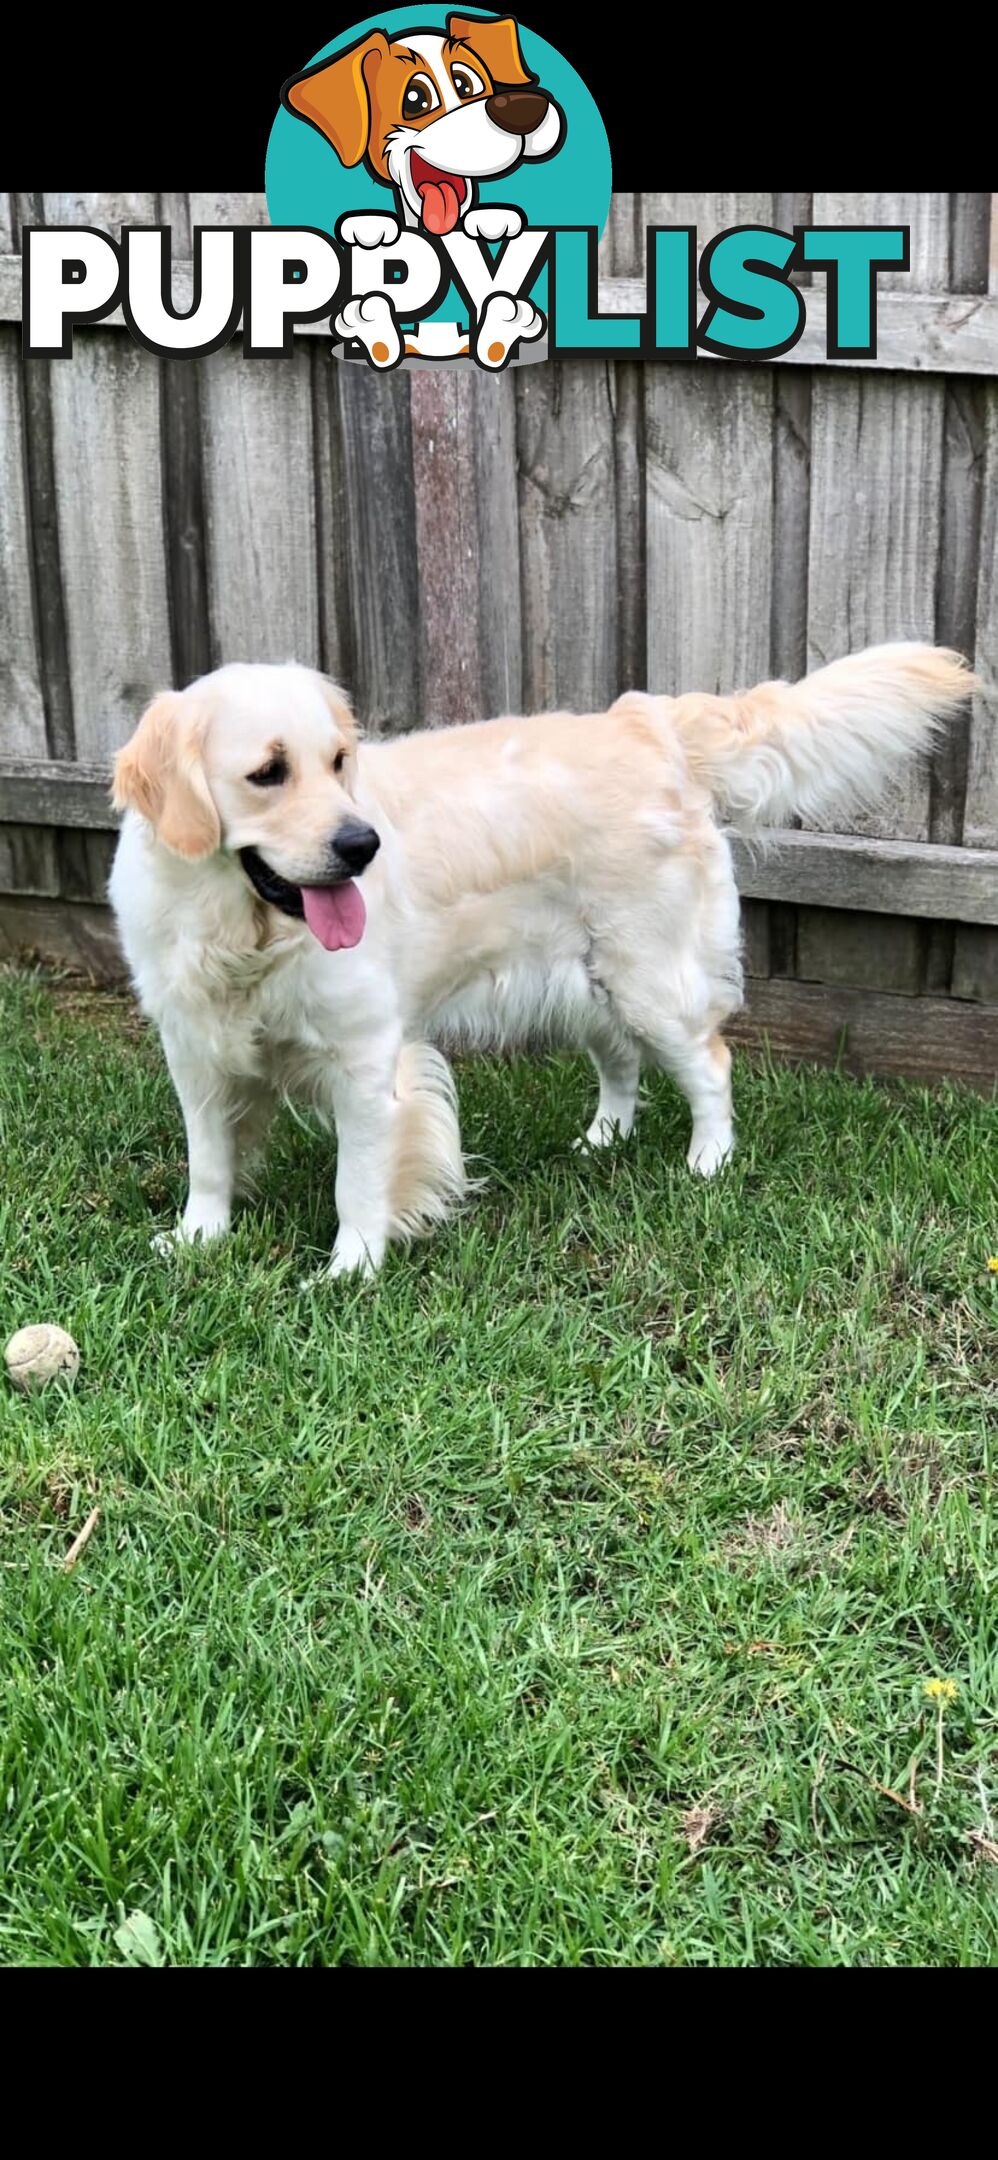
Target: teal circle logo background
(307,185)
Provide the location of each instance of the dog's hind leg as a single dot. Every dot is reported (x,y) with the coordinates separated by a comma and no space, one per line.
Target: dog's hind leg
(700,1063)
(617,1058)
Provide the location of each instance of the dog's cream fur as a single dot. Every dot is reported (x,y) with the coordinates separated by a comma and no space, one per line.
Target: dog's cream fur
(562,877)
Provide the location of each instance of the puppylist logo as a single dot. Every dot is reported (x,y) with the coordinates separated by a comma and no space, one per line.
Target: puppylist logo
(437,185)
(440,151)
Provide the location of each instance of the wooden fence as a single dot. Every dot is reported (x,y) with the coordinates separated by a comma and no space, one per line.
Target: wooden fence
(449,544)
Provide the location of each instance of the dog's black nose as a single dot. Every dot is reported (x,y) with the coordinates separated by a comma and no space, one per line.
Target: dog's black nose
(355,845)
(518,111)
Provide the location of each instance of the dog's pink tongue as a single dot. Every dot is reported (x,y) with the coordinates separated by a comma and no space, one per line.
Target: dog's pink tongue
(441,204)
(335,914)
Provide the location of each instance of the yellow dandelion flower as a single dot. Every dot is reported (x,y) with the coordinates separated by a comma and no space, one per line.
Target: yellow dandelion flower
(941,1691)
(992,1263)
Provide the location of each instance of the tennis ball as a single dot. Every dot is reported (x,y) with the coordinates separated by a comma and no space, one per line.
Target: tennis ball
(36,1355)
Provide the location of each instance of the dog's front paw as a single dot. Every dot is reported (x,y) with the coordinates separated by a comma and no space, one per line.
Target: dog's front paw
(604,1132)
(494,221)
(504,322)
(709,1151)
(371,320)
(352,1255)
(195,1230)
(369,229)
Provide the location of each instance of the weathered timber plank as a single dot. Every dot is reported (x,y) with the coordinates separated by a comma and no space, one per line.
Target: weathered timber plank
(568,535)
(380,545)
(839,870)
(964,431)
(29,860)
(85,860)
(500,618)
(332,527)
(709,509)
(74,935)
(975,964)
(184,516)
(220,209)
(876,493)
(755,937)
(864,950)
(981,815)
(22,703)
(259,492)
(442,417)
(828,870)
(112,551)
(866,1031)
(107,212)
(34,791)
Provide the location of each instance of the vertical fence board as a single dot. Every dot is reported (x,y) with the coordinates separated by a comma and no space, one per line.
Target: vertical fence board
(336,645)
(981,821)
(106,438)
(708,493)
(43,536)
(184,513)
(383,586)
(876,489)
(105,414)
(22,705)
(107,212)
(709,478)
(710,213)
(500,620)
(29,861)
(568,535)
(965,412)
(628,393)
(214,208)
(441,411)
(259,486)
(975,955)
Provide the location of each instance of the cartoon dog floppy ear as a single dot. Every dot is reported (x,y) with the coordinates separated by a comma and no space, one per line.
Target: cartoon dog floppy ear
(335,96)
(497,43)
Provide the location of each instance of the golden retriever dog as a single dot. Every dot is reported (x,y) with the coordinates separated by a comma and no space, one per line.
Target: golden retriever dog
(307,914)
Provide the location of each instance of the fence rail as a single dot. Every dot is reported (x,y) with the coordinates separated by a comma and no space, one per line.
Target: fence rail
(448,544)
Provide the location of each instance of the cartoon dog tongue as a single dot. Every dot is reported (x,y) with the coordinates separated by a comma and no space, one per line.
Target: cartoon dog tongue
(440,195)
(335,914)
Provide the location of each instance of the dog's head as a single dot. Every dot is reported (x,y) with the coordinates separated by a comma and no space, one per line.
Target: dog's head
(431,113)
(259,762)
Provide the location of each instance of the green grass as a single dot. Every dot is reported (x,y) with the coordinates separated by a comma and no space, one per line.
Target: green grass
(567,1596)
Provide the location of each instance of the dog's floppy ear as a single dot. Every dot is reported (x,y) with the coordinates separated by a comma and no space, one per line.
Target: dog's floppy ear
(340,707)
(497,43)
(161,774)
(335,96)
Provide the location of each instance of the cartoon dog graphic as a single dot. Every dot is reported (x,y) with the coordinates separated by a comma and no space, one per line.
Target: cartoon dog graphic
(431,114)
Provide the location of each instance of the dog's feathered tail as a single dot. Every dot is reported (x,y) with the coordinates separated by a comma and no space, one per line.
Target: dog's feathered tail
(428,1181)
(829,743)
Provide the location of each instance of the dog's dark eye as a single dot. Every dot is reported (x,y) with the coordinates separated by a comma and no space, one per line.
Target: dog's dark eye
(339,760)
(273,774)
(465,83)
(420,97)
